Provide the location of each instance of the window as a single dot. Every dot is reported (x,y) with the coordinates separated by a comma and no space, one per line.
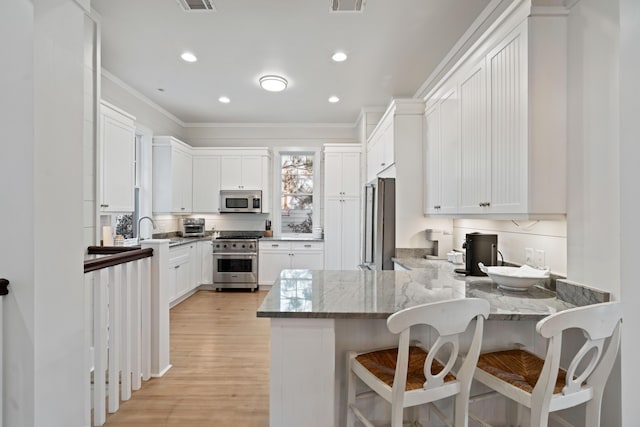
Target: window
(297,178)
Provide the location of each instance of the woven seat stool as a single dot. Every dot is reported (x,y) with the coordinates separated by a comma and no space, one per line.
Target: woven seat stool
(540,384)
(410,375)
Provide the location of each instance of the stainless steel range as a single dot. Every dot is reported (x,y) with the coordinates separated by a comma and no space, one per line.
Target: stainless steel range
(235,260)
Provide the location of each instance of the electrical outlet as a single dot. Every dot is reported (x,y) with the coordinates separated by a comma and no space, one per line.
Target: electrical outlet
(528,256)
(540,258)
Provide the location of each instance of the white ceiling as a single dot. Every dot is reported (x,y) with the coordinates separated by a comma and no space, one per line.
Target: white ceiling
(393,46)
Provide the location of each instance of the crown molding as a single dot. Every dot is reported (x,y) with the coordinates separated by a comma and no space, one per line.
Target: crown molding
(141,97)
(269,125)
(450,60)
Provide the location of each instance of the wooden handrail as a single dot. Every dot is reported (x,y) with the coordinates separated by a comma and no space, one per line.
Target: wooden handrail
(4,287)
(110,250)
(121,258)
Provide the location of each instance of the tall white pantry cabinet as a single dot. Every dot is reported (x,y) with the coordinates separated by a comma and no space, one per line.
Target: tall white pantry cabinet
(342,193)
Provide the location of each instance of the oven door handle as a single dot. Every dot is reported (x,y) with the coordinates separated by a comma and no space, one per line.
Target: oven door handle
(241,254)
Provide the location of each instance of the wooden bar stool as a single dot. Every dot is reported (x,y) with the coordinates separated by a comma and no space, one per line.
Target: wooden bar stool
(409,375)
(541,385)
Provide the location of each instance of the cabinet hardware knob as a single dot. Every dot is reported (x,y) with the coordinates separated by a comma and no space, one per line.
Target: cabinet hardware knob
(104,206)
(382,164)
(176,267)
(307,246)
(274,246)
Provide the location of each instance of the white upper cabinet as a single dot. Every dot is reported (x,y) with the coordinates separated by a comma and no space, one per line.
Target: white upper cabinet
(475,151)
(117,153)
(172,176)
(243,172)
(512,119)
(442,140)
(342,174)
(206,184)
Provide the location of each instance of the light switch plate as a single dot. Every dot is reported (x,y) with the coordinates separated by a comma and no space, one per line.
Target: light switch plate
(528,256)
(540,258)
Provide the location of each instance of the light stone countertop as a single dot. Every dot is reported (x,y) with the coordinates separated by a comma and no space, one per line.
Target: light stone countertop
(291,239)
(378,294)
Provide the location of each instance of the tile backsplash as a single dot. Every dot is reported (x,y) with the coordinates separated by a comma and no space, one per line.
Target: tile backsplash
(221,222)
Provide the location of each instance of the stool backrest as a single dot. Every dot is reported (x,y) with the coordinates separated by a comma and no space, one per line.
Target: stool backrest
(450,319)
(591,365)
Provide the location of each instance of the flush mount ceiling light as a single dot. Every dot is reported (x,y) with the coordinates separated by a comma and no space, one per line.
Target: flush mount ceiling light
(188,57)
(224,100)
(273,83)
(333,99)
(339,56)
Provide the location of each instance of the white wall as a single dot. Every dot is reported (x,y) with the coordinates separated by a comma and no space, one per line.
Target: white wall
(147,113)
(630,204)
(593,213)
(42,191)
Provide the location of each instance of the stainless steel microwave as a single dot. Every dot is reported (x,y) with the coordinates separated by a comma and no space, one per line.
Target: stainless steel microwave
(240,201)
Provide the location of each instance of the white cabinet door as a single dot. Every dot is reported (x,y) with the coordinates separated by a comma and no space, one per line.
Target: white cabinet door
(182,188)
(333,233)
(351,186)
(172,289)
(350,233)
(206,262)
(206,185)
(342,233)
(475,159)
(172,176)
(271,262)
(307,255)
(449,152)
(251,173)
(508,126)
(241,173)
(231,173)
(432,160)
(333,174)
(342,174)
(117,136)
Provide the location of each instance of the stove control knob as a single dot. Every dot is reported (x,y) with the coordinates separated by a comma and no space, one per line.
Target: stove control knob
(244,246)
(224,246)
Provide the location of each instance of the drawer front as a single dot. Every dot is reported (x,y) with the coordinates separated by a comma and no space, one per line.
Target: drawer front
(275,245)
(177,254)
(307,246)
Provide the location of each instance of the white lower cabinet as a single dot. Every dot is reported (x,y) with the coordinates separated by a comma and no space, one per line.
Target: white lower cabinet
(342,233)
(182,264)
(278,255)
(205,257)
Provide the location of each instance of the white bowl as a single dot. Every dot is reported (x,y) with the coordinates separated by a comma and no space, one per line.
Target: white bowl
(515,278)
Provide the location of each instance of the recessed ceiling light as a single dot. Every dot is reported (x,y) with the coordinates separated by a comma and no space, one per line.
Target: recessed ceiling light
(339,56)
(189,57)
(334,99)
(224,100)
(273,83)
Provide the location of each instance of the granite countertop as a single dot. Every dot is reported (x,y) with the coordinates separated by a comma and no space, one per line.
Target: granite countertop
(378,294)
(292,239)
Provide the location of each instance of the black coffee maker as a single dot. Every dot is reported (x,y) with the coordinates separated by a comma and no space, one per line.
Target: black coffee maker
(480,248)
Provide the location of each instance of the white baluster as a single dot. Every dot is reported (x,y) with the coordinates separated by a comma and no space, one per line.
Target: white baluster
(100,348)
(134,285)
(125,354)
(145,278)
(115,332)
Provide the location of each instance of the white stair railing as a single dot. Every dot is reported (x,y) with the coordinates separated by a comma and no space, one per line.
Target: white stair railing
(120,349)
(4,290)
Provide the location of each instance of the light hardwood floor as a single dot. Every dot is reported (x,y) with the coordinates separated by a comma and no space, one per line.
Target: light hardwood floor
(220,373)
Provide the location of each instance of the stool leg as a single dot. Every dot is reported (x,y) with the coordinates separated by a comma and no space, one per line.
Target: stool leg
(512,413)
(351,391)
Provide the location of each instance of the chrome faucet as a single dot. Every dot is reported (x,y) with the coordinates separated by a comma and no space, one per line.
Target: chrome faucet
(140,220)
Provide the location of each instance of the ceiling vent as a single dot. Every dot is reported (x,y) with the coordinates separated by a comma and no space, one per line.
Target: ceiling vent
(347,5)
(197,5)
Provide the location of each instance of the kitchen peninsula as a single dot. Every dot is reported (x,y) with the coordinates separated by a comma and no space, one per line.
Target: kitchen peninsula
(317,315)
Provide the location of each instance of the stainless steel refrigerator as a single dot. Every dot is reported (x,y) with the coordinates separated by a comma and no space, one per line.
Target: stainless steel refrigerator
(380,224)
